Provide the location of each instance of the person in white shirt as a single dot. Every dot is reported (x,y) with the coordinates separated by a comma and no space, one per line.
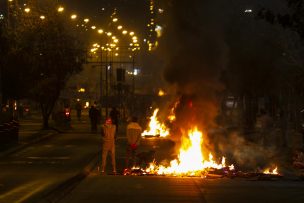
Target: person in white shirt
(134,131)
(108,133)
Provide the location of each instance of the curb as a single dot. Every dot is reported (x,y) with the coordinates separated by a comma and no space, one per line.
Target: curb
(64,188)
(36,139)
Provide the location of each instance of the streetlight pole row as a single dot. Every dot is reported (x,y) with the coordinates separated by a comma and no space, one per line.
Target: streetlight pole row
(108,64)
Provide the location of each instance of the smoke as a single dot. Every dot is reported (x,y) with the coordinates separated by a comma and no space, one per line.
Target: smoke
(195,56)
(246,155)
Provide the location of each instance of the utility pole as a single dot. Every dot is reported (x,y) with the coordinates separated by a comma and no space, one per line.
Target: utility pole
(107,85)
(108,65)
(101,85)
(133,78)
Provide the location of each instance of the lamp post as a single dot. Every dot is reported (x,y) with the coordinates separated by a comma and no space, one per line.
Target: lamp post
(109,58)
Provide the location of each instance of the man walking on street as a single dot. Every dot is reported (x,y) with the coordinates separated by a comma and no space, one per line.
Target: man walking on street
(108,134)
(133,136)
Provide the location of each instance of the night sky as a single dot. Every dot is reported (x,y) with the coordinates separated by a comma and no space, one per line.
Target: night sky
(132,13)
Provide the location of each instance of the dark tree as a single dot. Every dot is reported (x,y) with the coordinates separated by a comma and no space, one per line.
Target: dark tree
(292,19)
(56,56)
(43,54)
(4,47)
(292,71)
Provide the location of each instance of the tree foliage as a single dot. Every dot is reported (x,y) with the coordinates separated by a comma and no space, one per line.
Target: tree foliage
(292,19)
(43,55)
(291,72)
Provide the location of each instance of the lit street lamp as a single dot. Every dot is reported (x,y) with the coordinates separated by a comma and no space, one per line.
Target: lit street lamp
(60,9)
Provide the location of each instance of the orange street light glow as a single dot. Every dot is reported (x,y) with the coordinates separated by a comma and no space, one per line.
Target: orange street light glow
(60,9)
(27,10)
(73,17)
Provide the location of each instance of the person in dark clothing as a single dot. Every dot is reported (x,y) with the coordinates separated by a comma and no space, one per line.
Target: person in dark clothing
(114,115)
(5,115)
(78,108)
(94,117)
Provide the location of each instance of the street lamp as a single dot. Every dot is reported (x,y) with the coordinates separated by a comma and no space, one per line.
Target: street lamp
(60,9)
(27,10)
(73,16)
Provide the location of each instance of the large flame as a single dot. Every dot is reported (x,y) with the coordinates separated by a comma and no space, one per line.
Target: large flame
(190,160)
(156,128)
(271,171)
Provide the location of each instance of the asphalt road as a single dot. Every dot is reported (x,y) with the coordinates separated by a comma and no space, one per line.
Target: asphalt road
(31,173)
(116,189)
(63,169)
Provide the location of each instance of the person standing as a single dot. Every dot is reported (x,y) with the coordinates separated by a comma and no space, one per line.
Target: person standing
(114,114)
(78,108)
(94,117)
(108,134)
(134,131)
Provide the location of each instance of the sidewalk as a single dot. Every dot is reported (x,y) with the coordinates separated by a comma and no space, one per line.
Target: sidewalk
(30,131)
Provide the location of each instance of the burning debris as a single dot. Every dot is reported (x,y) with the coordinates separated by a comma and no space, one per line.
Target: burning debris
(271,171)
(266,174)
(190,161)
(194,157)
(155,128)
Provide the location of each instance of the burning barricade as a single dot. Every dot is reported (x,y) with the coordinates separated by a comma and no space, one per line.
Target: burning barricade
(194,158)
(190,161)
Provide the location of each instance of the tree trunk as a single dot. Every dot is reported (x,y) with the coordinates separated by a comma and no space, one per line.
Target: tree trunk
(250,112)
(45,118)
(47,108)
(285,118)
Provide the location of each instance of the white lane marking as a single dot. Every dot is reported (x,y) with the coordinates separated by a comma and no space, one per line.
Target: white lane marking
(45,158)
